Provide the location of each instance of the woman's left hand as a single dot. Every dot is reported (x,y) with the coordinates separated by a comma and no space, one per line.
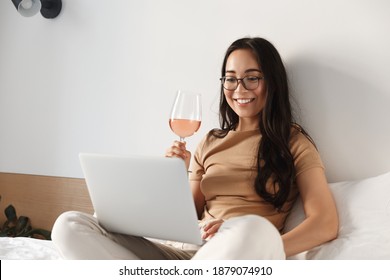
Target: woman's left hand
(211,228)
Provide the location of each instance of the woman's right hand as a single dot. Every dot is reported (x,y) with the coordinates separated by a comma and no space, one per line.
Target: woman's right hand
(179,150)
(210,228)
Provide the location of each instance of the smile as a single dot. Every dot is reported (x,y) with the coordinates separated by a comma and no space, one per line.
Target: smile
(244,100)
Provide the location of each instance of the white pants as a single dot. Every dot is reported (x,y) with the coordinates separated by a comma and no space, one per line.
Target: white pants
(79,236)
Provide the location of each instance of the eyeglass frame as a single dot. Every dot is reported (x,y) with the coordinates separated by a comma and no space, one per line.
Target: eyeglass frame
(223,79)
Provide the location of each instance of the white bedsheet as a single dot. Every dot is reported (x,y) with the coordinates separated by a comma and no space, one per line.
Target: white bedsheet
(23,248)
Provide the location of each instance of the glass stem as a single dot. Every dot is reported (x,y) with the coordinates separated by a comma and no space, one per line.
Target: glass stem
(182,139)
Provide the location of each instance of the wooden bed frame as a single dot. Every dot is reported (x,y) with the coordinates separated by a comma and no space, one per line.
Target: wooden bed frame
(42,198)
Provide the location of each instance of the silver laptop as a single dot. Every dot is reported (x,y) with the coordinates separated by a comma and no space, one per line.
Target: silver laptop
(145,196)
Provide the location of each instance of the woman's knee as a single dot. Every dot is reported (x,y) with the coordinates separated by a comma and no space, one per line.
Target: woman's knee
(258,236)
(70,222)
(254,228)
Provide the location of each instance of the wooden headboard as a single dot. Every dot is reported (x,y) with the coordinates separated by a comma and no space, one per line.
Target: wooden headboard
(42,198)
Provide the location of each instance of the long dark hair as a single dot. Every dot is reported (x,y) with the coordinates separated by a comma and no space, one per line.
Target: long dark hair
(275,162)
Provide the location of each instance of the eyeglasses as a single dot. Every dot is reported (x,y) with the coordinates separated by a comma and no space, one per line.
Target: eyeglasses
(249,82)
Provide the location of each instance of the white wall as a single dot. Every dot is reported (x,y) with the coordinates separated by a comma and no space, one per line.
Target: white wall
(102,76)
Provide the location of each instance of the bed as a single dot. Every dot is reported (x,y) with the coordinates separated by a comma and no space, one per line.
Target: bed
(363,205)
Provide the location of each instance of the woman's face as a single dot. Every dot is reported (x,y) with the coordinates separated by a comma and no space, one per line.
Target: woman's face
(247,104)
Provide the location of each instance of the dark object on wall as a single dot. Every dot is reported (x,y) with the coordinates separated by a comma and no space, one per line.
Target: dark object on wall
(48,8)
(51,8)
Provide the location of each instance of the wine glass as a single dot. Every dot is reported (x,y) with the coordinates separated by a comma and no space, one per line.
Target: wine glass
(186,114)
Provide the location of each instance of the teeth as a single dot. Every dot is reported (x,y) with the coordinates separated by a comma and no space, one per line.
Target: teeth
(244,101)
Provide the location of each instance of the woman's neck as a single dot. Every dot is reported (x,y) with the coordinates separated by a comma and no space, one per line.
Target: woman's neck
(246,124)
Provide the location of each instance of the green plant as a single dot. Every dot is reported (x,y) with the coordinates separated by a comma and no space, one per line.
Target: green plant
(20,227)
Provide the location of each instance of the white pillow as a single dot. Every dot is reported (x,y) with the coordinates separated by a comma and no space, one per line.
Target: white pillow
(364,212)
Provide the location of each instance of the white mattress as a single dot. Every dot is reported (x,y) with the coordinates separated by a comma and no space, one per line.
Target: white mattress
(23,248)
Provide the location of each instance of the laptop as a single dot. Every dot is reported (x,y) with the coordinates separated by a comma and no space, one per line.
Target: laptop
(146,196)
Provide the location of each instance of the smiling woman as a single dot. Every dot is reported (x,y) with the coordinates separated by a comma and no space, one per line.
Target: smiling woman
(256,119)
(245,177)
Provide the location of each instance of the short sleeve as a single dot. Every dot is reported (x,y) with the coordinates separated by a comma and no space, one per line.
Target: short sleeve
(197,165)
(305,154)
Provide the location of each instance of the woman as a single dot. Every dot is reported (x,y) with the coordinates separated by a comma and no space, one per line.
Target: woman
(244,177)
(278,158)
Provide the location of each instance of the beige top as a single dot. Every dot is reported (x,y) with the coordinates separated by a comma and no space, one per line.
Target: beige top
(226,169)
